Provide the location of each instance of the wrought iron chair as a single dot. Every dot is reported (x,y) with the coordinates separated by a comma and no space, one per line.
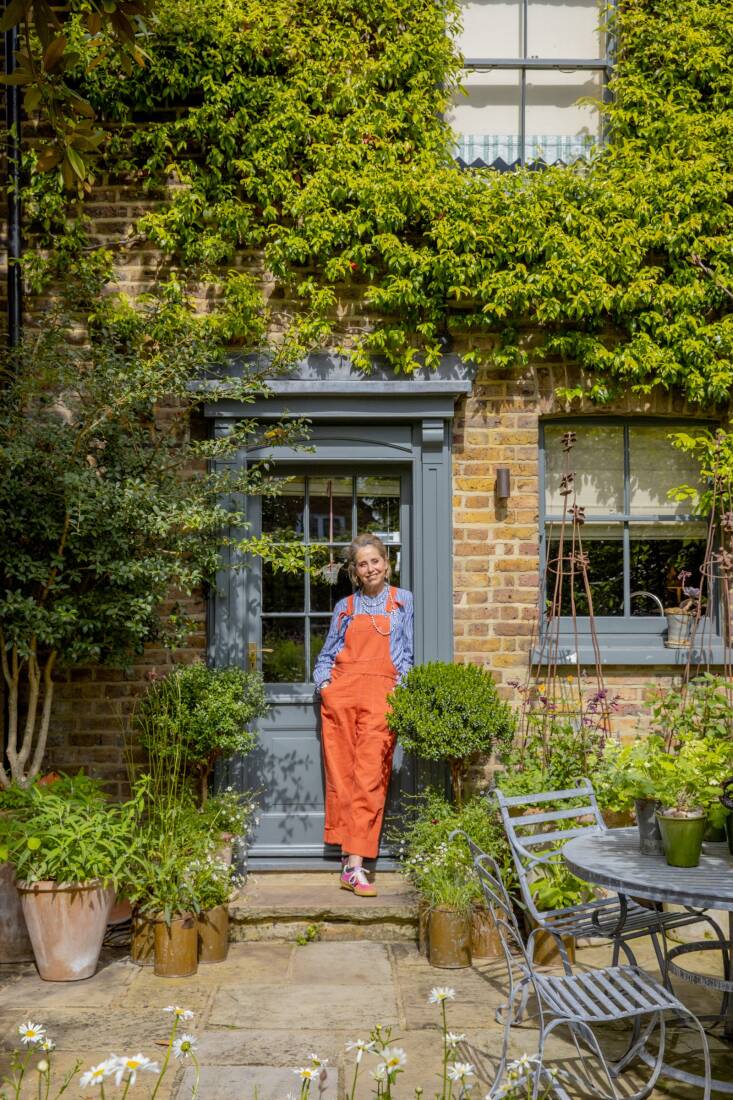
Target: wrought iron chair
(580,1001)
(535,839)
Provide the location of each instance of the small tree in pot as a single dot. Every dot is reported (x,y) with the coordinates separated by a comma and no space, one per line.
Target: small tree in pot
(450,712)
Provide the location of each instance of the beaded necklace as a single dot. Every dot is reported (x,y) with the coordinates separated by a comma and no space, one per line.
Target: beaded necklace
(375,609)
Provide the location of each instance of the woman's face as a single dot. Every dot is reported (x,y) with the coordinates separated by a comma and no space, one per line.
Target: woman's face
(371,569)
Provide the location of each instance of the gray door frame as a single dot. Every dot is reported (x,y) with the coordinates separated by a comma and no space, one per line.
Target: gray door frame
(355,420)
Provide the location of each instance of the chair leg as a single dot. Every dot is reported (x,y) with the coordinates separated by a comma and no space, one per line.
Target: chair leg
(661,957)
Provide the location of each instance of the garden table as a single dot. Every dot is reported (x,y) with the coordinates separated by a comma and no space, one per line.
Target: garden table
(611,858)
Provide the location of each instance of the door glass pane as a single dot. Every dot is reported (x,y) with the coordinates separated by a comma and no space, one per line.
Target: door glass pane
(318,632)
(486,118)
(557,126)
(656,467)
(605,574)
(491,28)
(657,559)
(330,502)
(282,591)
(378,507)
(331,583)
(395,560)
(564,28)
(283,651)
(597,459)
(282,515)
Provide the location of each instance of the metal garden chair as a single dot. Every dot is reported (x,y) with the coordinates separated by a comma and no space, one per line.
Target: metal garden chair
(536,838)
(580,1001)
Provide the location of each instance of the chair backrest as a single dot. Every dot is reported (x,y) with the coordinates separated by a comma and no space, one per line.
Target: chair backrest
(536,834)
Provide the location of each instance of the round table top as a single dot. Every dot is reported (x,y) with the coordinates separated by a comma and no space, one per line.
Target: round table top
(611,857)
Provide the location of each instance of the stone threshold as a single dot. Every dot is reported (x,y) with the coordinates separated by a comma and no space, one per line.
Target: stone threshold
(280,906)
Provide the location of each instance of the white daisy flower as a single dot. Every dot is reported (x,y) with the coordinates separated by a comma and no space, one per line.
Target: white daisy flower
(184,1045)
(317,1062)
(97,1074)
(31,1033)
(48,1045)
(179,1013)
(441,993)
(453,1040)
(393,1058)
(42,1066)
(307,1073)
(361,1046)
(380,1073)
(461,1071)
(127,1068)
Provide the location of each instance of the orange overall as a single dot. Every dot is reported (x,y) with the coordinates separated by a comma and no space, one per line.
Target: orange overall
(357,744)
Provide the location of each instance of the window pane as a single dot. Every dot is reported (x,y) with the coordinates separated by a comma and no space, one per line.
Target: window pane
(282,591)
(657,467)
(656,562)
(597,459)
(605,575)
(486,118)
(557,126)
(378,507)
(330,508)
(283,651)
(318,632)
(282,515)
(491,28)
(330,584)
(564,28)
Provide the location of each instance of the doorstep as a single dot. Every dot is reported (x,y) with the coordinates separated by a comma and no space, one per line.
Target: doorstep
(280,906)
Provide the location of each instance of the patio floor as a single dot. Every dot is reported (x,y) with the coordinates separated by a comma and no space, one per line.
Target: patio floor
(263,1011)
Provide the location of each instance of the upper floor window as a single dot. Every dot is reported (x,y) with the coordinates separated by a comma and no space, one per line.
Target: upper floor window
(529,67)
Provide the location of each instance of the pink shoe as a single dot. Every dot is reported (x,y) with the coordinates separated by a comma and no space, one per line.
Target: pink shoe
(354,879)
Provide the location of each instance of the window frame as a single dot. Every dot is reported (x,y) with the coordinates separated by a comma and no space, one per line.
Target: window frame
(525,64)
(615,632)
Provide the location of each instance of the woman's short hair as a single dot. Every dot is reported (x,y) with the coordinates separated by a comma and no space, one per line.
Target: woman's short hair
(358,544)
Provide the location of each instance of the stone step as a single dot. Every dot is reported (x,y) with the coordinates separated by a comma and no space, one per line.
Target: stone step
(283,906)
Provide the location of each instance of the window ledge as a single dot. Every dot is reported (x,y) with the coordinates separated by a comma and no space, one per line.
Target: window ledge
(619,649)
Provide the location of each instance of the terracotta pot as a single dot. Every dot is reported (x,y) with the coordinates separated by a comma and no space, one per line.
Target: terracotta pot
(176,946)
(121,911)
(214,934)
(546,951)
(485,939)
(66,924)
(450,938)
(142,943)
(15,944)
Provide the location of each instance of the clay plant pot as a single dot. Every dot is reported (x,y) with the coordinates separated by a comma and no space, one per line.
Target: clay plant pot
(682,839)
(15,944)
(213,933)
(449,932)
(66,924)
(485,940)
(650,838)
(176,946)
(142,941)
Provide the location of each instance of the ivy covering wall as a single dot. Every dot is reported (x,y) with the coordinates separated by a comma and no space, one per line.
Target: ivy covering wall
(313,131)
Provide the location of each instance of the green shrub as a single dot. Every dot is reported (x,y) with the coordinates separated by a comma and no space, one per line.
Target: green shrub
(450,712)
(197,713)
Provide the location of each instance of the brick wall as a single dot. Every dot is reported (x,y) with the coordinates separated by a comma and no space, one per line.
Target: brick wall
(496,545)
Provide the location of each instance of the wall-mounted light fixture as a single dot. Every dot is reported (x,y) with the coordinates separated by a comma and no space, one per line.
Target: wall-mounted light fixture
(503,483)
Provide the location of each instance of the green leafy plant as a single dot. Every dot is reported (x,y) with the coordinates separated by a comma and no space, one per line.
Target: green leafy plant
(310,934)
(228,813)
(68,832)
(197,714)
(450,712)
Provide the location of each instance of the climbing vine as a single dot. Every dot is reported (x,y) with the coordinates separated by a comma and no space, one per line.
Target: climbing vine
(312,132)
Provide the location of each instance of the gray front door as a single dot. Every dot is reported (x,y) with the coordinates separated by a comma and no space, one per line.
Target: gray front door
(324,507)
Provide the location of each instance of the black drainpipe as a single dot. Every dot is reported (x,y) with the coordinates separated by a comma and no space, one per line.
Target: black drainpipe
(12,123)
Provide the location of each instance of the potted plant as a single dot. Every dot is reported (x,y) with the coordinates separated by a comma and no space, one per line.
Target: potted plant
(196,714)
(447,712)
(164,909)
(689,795)
(630,775)
(228,816)
(681,617)
(70,848)
(212,885)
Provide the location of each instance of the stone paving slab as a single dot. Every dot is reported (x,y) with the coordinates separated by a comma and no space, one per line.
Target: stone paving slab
(263,1011)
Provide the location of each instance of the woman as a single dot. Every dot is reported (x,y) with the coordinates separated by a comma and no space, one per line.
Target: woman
(368,650)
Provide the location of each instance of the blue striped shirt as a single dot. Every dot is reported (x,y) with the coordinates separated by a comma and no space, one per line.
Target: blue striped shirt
(400,638)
